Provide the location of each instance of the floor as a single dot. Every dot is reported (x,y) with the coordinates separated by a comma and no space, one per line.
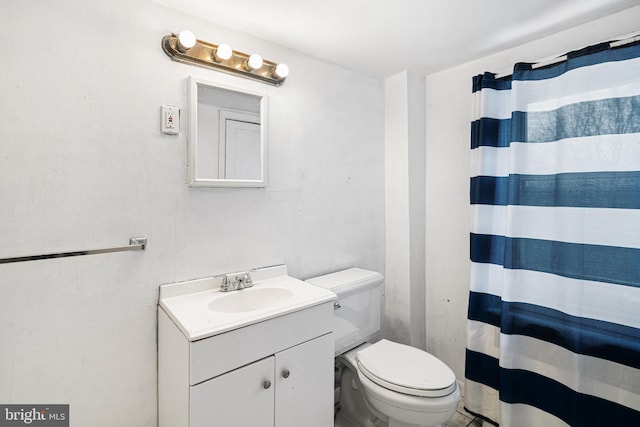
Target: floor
(462,418)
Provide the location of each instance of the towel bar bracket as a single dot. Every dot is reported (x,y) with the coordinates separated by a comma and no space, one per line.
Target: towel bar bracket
(142,241)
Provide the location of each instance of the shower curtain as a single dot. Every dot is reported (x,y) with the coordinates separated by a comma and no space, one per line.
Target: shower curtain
(554,305)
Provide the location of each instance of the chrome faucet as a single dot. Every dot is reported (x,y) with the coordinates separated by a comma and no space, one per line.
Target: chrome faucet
(236,281)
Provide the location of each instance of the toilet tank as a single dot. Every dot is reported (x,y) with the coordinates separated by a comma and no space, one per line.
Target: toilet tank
(356,315)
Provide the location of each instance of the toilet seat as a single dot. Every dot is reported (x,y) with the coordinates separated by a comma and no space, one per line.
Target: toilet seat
(406,370)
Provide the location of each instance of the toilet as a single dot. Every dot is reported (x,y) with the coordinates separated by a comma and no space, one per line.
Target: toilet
(382,383)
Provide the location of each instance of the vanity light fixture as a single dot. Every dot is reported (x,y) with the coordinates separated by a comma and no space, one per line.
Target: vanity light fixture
(186,48)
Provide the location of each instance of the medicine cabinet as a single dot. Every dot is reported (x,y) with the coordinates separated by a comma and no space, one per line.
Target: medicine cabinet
(227,135)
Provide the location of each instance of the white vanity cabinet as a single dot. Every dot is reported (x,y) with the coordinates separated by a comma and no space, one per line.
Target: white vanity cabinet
(275,371)
(283,390)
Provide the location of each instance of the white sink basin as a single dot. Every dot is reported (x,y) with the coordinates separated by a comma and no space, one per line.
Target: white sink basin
(200,310)
(251,299)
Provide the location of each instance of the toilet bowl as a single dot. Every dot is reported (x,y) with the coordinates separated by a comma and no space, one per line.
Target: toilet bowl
(383,383)
(407,385)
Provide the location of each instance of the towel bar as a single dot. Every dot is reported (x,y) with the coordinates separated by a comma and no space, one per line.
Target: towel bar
(135,244)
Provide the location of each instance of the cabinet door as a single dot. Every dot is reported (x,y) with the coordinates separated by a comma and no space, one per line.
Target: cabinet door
(304,384)
(240,398)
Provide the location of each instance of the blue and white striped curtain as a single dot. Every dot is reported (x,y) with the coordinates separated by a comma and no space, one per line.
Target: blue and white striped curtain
(554,306)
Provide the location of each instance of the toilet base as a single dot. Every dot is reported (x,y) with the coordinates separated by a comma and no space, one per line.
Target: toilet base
(354,412)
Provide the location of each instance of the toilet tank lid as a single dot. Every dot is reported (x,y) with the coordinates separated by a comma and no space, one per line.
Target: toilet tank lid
(349,280)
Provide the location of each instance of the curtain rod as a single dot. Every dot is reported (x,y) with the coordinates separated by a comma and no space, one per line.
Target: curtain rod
(618,43)
(623,42)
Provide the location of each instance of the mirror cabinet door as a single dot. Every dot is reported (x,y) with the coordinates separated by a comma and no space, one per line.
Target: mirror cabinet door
(227,129)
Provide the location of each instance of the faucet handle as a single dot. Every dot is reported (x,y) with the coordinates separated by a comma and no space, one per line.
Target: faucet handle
(226,284)
(246,279)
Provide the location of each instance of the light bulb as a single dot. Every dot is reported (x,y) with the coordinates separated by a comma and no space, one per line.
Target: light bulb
(186,40)
(223,52)
(281,71)
(254,62)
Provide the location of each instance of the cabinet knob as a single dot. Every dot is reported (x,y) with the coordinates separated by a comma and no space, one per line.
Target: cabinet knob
(286,373)
(266,384)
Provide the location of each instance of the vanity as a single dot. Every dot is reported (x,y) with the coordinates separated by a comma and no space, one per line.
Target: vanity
(256,357)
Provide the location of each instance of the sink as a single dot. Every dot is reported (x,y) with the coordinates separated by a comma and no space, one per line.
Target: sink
(251,299)
(200,310)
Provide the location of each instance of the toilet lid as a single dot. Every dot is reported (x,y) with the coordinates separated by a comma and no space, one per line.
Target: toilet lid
(406,369)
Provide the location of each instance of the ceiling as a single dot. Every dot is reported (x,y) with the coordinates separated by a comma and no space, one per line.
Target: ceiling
(383,37)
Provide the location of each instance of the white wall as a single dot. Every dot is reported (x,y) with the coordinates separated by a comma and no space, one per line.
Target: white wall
(447,202)
(404,208)
(83,165)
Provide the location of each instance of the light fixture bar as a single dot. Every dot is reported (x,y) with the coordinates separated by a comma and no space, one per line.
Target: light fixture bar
(204,55)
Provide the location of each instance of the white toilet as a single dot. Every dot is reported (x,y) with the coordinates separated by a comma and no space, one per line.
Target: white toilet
(384,384)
